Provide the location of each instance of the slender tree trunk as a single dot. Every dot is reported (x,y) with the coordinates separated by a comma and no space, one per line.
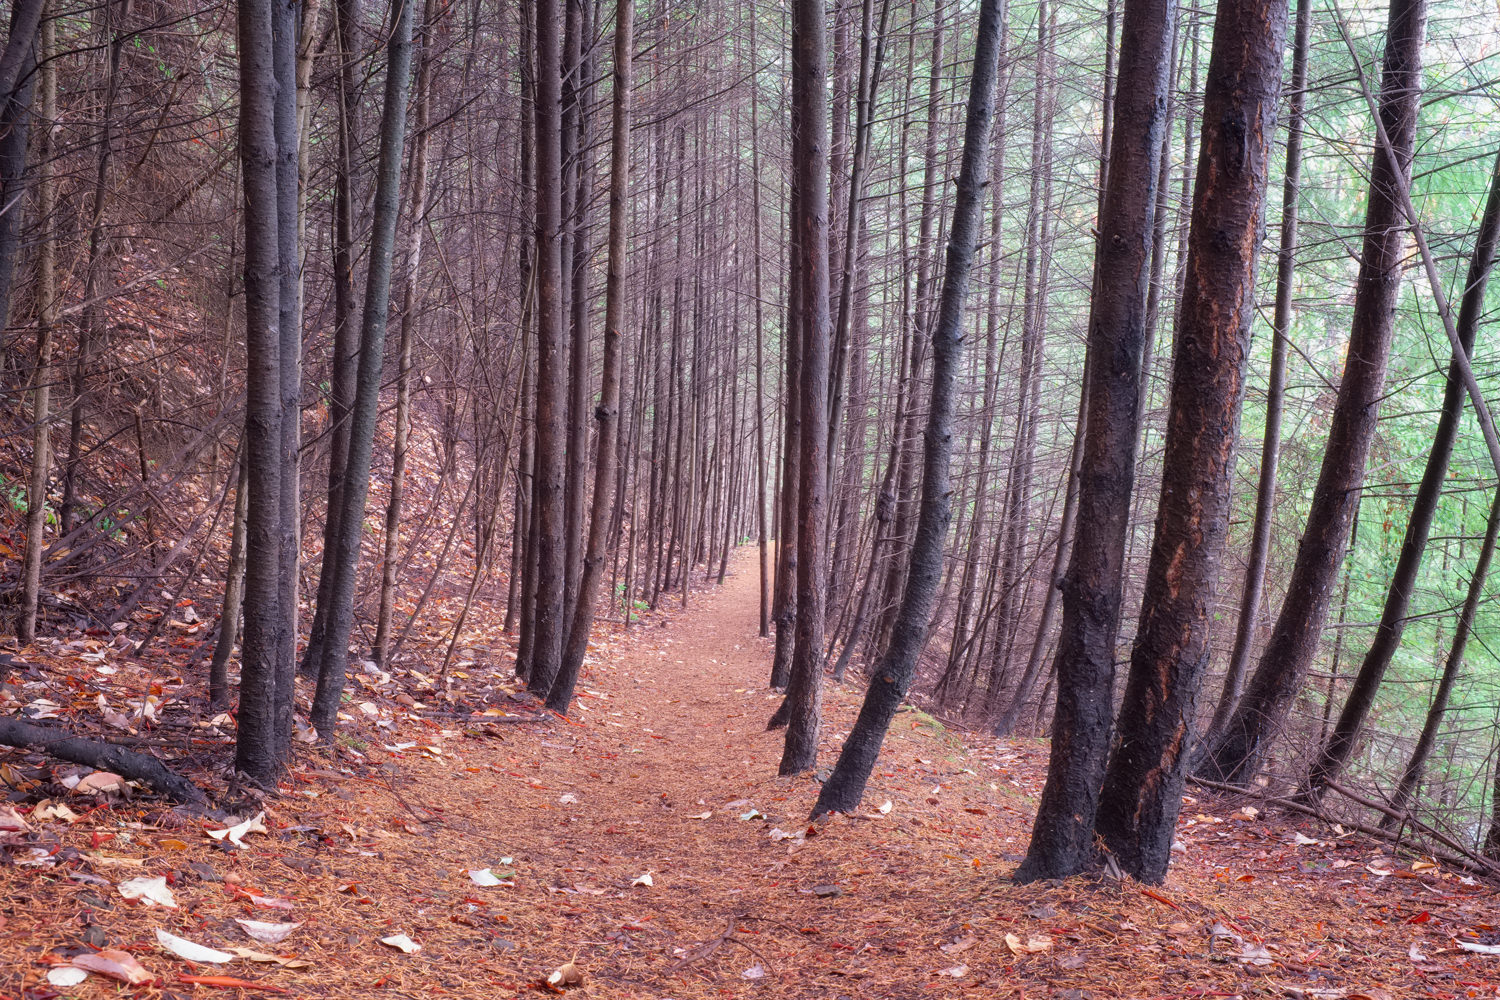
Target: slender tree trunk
(1062,838)
(410,303)
(1237,752)
(43,373)
(810,222)
(551,395)
(231,610)
(845,786)
(335,661)
(1142,792)
(1281,324)
(256,753)
(608,412)
(15,122)
(1337,749)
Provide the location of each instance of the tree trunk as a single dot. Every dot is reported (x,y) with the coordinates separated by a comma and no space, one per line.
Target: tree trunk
(256,751)
(845,786)
(362,418)
(1281,323)
(1142,792)
(551,394)
(230,611)
(608,411)
(810,222)
(15,122)
(1062,838)
(42,375)
(1235,756)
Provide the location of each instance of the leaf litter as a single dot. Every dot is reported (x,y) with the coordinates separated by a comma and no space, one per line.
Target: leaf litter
(377,842)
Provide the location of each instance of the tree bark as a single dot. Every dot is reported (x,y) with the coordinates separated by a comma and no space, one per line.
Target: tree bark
(1236,755)
(845,786)
(1062,837)
(362,418)
(608,412)
(1281,324)
(1142,792)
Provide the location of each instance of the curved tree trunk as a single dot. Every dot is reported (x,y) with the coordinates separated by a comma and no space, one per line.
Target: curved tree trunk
(1236,754)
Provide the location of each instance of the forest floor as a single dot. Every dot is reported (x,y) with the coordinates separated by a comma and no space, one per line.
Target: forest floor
(650,844)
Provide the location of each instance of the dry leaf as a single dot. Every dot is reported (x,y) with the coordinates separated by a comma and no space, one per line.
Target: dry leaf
(266,932)
(1032,945)
(150,891)
(756,971)
(66,975)
(642,880)
(114,964)
(251,955)
(1302,840)
(183,948)
(959,944)
(99,783)
(957,971)
(401,943)
(236,833)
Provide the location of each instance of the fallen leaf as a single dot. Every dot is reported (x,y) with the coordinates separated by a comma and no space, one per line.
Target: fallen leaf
(265,931)
(236,833)
(960,944)
(66,975)
(703,815)
(957,971)
(99,783)
(251,955)
(1031,946)
(401,943)
(150,891)
(1302,840)
(642,880)
(1415,954)
(756,971)
(183,948)
(487,878)
(884,808)
(11,821)
(1255,954)
(1480,949)
(114,964)
(47,809)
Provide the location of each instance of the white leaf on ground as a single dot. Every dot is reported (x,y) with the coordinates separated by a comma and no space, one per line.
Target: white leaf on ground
(961,944)
(11,821)
(66,975)
(1415,954)
(265,931)
(485,877)
(567,799)
(47,809)
(641,880)
(401,943)
(565,975)
(884,808)
(1255,954)
(99,783)
(236,833)
(250,955)
(756,971)
(957,971)
(1480,949)
(703,815)
(150,891)
(183,948)
(1302,839)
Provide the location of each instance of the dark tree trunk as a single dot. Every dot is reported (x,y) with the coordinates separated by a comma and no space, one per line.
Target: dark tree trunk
(810,222)
(1142,792)
(1062,838)
(344,365)
(608,412)
(256,753)
(845,786)
(1236,754)
(551,394)
(231,609)
(15,125)
(362,419)
(1281,323)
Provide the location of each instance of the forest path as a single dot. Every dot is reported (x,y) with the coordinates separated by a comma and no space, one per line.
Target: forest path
(667,772)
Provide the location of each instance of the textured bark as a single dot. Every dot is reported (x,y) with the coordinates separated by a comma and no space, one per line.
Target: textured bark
(104,756)
(1062,837)
(1142,792)
(1236,754)
(255,743)
(344,365)
(15,126)
(608,412)
(335,659)
(845,786)
(551,399)
(810,164)
(1270,453)
(410,300)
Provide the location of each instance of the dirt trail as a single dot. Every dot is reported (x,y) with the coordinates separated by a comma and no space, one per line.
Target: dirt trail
(667,772)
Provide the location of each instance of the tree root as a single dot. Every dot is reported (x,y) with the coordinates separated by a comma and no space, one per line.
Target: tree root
(105,756)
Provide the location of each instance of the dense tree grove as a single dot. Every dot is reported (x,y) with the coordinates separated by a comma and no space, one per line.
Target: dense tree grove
(1026,340)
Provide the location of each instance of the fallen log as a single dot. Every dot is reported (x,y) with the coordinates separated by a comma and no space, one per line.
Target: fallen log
(104,756)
